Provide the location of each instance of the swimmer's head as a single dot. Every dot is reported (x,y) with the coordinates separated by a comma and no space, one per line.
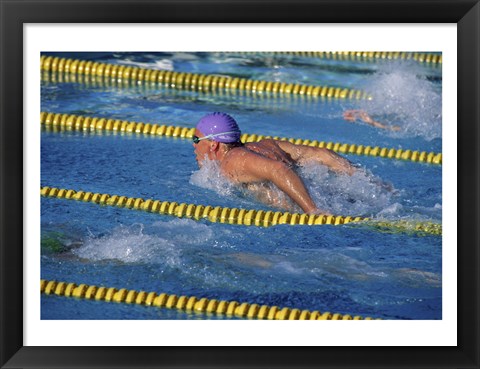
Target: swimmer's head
(219,127)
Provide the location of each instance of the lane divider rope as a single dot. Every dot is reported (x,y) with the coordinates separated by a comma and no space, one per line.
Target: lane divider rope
(194,81)
(186,303)
(218,214)
(81,123)
(427,58)
(151,90)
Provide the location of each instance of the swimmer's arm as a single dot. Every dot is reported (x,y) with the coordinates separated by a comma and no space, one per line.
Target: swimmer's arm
(352,115)
(269,196)
(303,154)
(249,167)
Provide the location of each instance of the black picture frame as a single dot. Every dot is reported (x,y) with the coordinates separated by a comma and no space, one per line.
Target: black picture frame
(14,14)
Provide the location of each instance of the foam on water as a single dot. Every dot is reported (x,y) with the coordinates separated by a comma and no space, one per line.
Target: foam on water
(159,243)
(399,211)
(210,177)
(405,99)
(359,194)
(163,64)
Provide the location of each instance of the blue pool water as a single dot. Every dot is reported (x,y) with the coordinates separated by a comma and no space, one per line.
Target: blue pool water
(348,269)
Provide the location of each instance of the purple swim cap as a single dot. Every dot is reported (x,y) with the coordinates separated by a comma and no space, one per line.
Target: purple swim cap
(220,126)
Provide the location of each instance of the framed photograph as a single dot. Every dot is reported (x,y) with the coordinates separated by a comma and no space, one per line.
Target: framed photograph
(222,182)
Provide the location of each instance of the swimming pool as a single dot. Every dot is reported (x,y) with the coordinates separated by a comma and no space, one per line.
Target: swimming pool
(352,269)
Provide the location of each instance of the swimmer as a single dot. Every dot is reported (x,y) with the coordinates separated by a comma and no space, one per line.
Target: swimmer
(255,164)
(354,115)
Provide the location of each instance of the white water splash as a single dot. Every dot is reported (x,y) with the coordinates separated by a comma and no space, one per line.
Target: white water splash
(210,177)
(359,194)
(402,97)
(162,64)
(160,243)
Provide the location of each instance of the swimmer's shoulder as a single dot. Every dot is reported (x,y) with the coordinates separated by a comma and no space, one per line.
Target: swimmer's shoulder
(234,156)
(266,143)
(239,157)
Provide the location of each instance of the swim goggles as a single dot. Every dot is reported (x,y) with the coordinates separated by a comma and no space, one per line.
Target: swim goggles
(197,139)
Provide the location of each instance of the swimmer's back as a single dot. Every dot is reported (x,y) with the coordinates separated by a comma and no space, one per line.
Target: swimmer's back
(269,149)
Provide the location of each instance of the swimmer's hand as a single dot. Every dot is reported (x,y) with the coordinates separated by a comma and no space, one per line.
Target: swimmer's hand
(354,115)
(350,115)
